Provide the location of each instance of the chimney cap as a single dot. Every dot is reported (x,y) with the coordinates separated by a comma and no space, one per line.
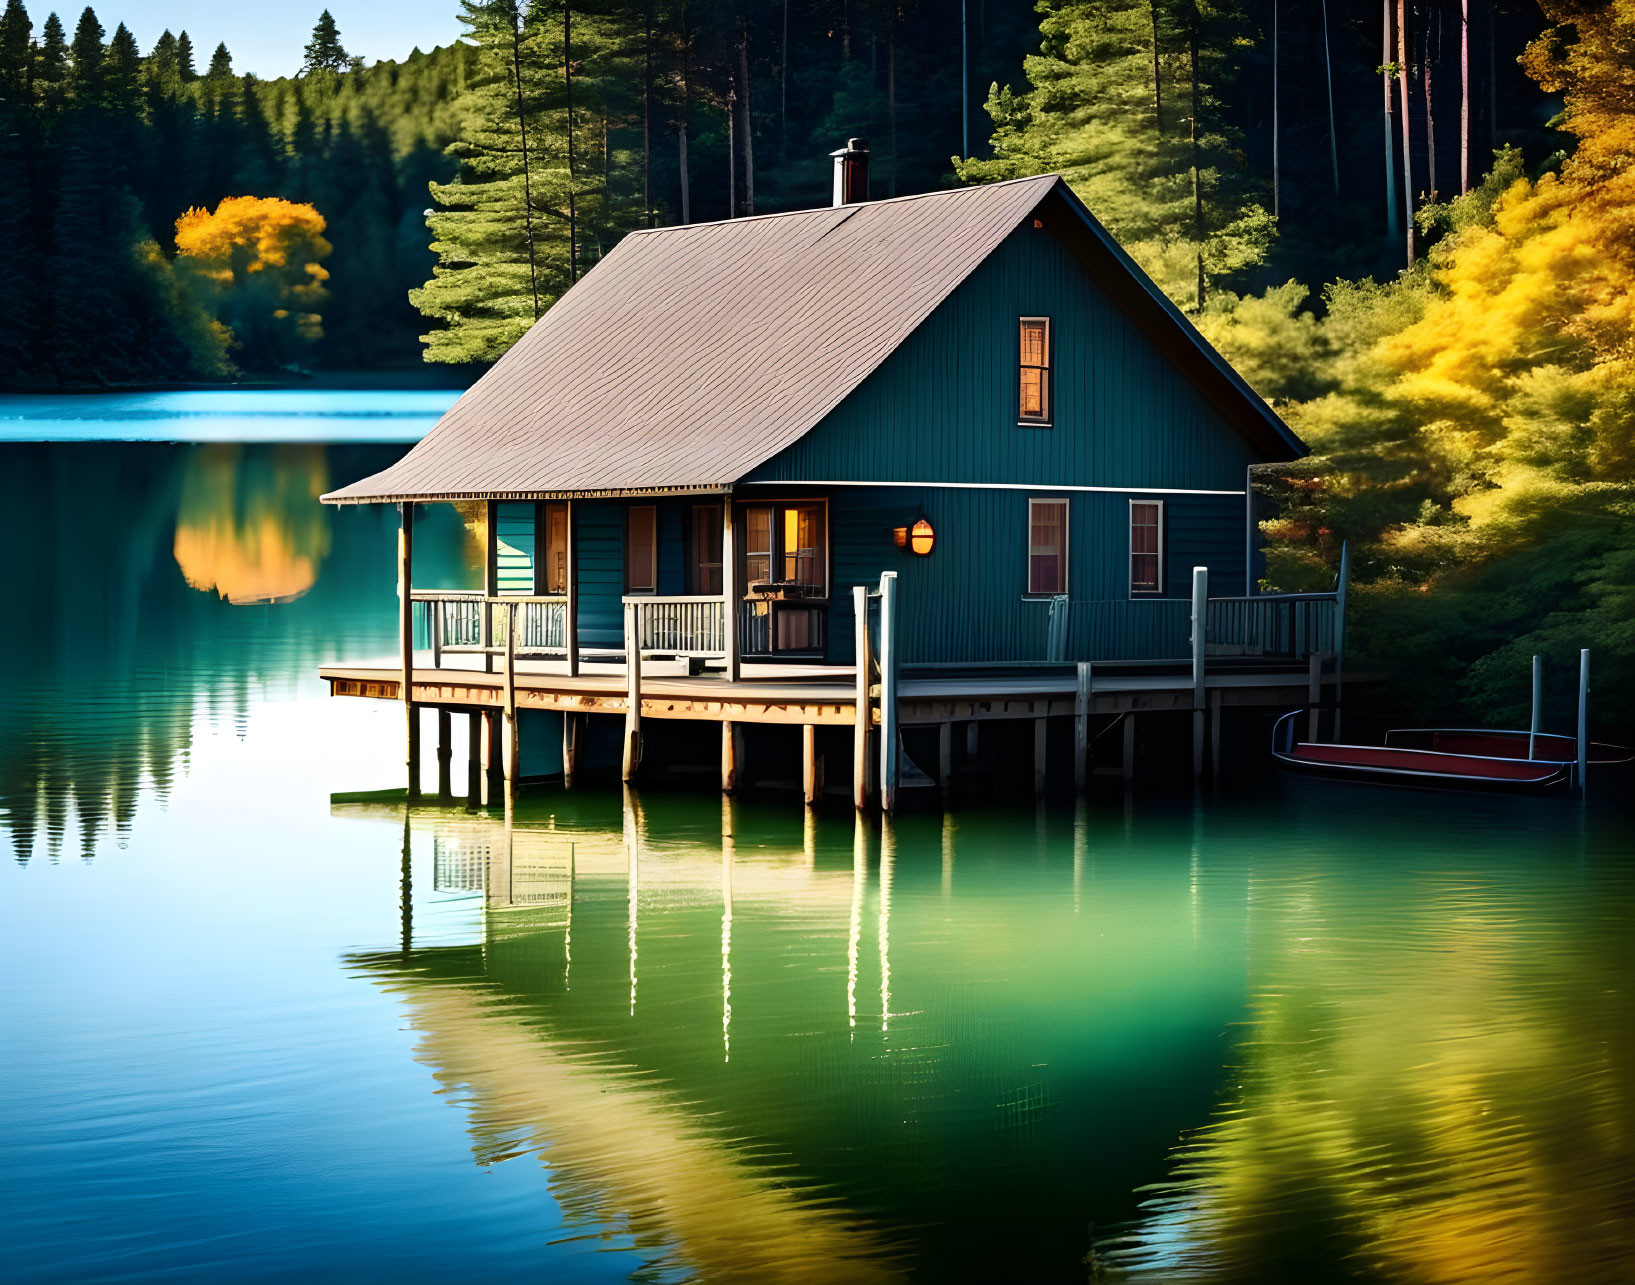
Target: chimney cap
(854,147)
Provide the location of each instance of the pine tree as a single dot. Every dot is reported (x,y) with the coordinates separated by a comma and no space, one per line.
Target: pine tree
(184,59)
(51,58)
(221,64)
(15,29)
(324,51)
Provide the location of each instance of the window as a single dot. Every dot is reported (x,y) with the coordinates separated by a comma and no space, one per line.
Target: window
(704,570)
(803,546)
(1146,546)
(757,545)
(641,549)
(1034,405)
(556,548)
(1047,547)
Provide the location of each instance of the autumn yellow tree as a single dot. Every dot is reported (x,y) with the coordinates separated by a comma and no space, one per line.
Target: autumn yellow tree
(256,262)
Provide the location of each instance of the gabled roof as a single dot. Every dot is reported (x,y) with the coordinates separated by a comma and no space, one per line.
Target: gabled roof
(691,354)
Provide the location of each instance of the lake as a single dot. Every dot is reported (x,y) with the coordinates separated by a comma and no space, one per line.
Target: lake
(259,1024)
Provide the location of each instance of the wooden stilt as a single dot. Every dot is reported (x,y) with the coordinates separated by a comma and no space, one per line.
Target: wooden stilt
(1129,747)
(405,639)
(513,736)
(570,612)
(633,694)
(729,758)
(971,744)
(1041,734)
(1200,630)
(732,592)
(808,763)
(945,758)
(1081,728)
(572,731)
(1314,695)
(474,759)
(445,756)
(493,756)
(863,723)
(1215,733)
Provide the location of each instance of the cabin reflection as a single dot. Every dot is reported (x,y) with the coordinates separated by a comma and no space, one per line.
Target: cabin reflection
(817,1003)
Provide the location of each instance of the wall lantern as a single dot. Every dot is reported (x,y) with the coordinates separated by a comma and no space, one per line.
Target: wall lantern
(922,537)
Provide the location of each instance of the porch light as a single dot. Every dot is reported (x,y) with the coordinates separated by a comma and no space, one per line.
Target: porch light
(922,537)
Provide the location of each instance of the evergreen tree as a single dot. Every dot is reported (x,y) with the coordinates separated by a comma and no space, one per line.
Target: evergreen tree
(221,64)
(324,51)
(15,29)
(51,60)
(184,59)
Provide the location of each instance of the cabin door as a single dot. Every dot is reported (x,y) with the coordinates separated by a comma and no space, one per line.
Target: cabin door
(785,570)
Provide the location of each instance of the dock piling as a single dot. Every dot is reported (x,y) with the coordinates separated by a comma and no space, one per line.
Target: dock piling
(405,641)
(810,785)
(513,738)
(1583,719)
(572,733)
(1041,735)
(945,758)
(890,737)
(474,759)
(445,755)
(1200,619)
(729,757)
(863,720)
(1538,703)
(1081,726)
(633,693)
(1314,694)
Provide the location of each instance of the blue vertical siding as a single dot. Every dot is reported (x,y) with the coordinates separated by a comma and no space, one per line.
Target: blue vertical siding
(599,548)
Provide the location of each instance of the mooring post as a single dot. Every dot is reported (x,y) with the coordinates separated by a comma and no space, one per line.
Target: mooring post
(1200,613)
(972,743)
(491,580)
(1583,719)
(570,610)
(1081,726)
(864,722)
(445,755)
(474,759)
(405,640)
(1041,736)
(890,750)
(1129,746)
(809,763)
(1342,592)
(1538,703)
(731,591)
(1314,694)
(1215,732)
(493,756)
(945,758)
(729,757)
(633,693)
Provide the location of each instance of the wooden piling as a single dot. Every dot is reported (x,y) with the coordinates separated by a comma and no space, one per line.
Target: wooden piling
(493,756)
(570,612)
(1041,735)
(1129,748)
(513,736)
(1081,726)
(1538,703)
(405,640)
(1314,695)
(731,591)
(474,759)
(445,755)
(633,694)
(945,758)
(729,757)
(573,727)
(864,720)
(972,744)
(890,735)
(1215,733)
(1583,719)
(1200,630)
(808,763)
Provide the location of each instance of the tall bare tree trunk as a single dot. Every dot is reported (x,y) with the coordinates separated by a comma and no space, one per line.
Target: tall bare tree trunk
(1197,177)
(1333,133)
(1386,60)
(964,84)
(567,80)
(647,118)
(891,97)
(747,123)
(1425,55)
(1407,133)
(1277,165)
(1464,96)
(783,89)
(732,150)
(522,133)
(1157,74)
(681,134)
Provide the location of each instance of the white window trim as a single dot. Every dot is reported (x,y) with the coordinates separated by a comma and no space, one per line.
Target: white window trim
(1129,566)
(1067,547)
(1049,417)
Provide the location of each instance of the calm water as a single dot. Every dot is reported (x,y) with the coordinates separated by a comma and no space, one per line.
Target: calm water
(1286,1033)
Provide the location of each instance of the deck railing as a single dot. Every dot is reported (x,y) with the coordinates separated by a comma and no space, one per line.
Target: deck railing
(680,626)
(1285,626)
(1273,626)
(472,623)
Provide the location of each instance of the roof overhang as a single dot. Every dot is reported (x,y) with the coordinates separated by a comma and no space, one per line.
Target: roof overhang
(459,497)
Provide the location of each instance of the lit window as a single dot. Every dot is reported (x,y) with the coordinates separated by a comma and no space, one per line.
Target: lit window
(556,548)
(1146,546)
(757,545)
(1034,406)
(1047,547)
(641,549)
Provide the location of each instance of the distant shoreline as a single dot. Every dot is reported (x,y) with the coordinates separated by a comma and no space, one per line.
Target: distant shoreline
(405,379)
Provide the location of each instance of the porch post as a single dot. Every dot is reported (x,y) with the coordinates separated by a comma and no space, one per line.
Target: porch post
(1200,619)
(491,578)
(890,748)
(513,739)
(405,640)
(570,623)
(633,693)
(863,722)
(474,760)
(730,592)
(810,785)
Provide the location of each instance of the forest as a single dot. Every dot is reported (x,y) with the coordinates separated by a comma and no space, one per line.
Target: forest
(1408,222)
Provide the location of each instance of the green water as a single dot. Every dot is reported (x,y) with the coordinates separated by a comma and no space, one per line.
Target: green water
(1283,1031)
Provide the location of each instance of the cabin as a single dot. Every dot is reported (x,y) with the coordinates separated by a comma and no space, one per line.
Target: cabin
(825,454)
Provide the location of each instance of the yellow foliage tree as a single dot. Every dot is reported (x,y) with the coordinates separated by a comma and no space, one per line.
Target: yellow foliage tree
(255,261)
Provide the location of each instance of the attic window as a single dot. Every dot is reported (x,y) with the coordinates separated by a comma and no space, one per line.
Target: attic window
(1034,404)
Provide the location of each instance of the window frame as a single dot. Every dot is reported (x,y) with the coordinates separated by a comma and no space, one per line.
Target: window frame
(1065,502)
(696,567)
(1158,589)
(644,589)
(776,552)
(1047,370)
(543,541)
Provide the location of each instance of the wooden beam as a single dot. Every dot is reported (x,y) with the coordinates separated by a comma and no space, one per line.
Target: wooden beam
(633,694)
(493,756)
(861,724)
(474,759)
(808,763)
(513,738)
(729,757)
(405,641)
(445,755)
(1314,695)
(1200,630)
(572,734)
(1041,736)
(491,577)
(890,745)
(570,623)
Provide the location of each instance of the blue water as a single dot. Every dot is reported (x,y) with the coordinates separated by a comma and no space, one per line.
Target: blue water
(225,415)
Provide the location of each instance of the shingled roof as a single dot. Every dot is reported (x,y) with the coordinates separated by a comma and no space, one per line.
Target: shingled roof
(689,355)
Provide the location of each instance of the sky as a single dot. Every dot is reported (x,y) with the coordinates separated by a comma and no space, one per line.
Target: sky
(267,39)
